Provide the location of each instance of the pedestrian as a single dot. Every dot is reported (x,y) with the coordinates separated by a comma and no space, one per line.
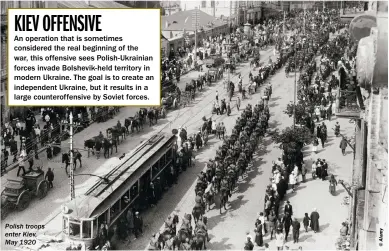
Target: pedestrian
(4,159)
(138,225)
(313,169)
(49,152)
(306,222)
(329,112)
(271,223)
(214,125)
(217,96)
(31,160)
(218,130)
(287,221)
(261,217)
(318,168)
(21,166)
(222,129)
(317,113)
(280,240)
(303,171)
(258,233)
(343,145)
(248,244)
(288,208)
(315,144)
(50,177)
(238,103)
(217,108)
(296,230)
(315,220)
(324,170)
(103,235)
(13,146)
(228,109)
(292,180)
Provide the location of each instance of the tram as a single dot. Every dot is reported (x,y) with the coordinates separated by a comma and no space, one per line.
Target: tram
(121,189)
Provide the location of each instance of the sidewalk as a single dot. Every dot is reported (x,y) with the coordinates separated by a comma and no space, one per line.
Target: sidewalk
(315,193)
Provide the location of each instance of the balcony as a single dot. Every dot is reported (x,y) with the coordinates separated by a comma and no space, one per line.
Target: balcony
(347,104)
(3,20)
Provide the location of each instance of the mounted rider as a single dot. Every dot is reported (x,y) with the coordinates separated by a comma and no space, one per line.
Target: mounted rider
(200,202)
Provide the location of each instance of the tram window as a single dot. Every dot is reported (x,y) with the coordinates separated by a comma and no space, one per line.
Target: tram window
(155,169)
(125,200)
(169,155)
(65,226)
(87,229)
(162,161)
(115,209)
(103,218)
(134,190)
(74,229)
(95,228)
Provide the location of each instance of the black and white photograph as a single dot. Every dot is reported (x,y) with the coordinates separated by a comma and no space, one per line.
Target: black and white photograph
(213,125)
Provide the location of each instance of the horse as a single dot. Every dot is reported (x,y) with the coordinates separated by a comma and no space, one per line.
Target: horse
(197,213)
(151,117)
(90,144)
(209,199)
(224,193)
(201,234)
(120,132)
(109,144)
(134,125)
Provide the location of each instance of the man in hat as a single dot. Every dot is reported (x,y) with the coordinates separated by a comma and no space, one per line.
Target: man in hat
(343,145)
(248,244)
(288,208)
(138,225)
(50,177)
(130,221)
(287,221)
(296,230)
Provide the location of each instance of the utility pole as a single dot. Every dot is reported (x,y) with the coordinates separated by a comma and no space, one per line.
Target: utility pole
(170,9)
(71,171)
(195,25)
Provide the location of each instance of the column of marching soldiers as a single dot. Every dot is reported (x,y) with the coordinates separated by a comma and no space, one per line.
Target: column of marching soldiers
(217,183)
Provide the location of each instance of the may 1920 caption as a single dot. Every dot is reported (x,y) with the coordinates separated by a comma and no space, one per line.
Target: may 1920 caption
(57,56)
(20,234)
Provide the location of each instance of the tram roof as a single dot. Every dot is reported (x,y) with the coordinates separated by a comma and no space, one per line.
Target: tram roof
(101,195)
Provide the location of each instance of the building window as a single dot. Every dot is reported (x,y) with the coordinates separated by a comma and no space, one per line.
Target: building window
(203,4)
(213,4)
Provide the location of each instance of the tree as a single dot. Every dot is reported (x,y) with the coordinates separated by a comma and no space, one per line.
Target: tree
(301,111)
(292,140)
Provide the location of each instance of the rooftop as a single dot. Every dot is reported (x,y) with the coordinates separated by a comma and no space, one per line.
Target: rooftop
(183,20)
(92,4)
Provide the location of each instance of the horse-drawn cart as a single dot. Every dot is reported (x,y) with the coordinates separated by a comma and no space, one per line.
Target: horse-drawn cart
(18,192)
(169,100)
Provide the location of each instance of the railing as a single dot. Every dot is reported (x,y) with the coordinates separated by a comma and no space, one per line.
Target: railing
(347,104)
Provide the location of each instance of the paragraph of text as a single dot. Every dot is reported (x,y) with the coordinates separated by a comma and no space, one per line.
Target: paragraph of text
(88,57)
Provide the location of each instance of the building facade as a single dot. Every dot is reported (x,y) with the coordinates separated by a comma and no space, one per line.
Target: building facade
(369,208)
(6,111)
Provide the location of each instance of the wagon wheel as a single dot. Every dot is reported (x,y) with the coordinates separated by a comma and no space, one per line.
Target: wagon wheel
(23,200)
(42,189)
